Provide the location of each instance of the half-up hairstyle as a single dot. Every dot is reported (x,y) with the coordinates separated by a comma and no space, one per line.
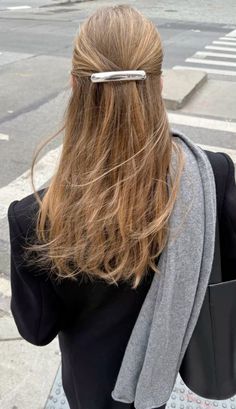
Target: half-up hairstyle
(105,212)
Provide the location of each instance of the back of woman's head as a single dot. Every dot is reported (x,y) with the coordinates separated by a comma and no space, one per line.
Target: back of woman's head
(108,203)
(117,38)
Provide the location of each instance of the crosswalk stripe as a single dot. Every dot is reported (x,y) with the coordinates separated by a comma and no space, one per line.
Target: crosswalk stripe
(222,42)
(233,39)
(213,47)
(205,53)
(231,34)
(211,62)
(4,137)
(208,70)
(201,122)
(18,7)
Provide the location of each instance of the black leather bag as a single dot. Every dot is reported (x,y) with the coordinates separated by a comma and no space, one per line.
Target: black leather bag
(209,364)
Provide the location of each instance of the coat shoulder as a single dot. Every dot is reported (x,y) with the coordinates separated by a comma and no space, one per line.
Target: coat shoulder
(219,162)
(24,211)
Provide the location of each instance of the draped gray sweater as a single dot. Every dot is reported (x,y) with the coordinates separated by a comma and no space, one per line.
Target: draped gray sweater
(172,305)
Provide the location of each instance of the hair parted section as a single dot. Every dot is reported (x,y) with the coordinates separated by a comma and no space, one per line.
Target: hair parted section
(105,212)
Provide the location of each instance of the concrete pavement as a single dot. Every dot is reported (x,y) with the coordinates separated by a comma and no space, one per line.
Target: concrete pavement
(180,85)
(23,366)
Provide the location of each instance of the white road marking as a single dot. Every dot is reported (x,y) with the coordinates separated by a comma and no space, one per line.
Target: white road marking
(201,122)
(7,57)
(211,62)
(21,186)
(222,42)
(230,152)
(205,53)
(18,7)
(4,137)
(209,70)
(233,39)
(231,34)
(201,57)
(5,287)
(213,47)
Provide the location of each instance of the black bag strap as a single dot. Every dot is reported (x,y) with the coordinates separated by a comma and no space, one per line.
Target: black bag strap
(216,273)
(219,173)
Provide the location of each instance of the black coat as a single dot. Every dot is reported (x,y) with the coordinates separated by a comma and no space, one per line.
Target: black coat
(93,320)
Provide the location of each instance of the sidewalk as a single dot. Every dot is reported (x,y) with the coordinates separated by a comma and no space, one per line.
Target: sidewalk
(31,376)
(27,371)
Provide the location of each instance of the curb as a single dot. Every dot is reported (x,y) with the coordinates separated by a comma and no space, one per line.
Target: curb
(180,85)
(58,3)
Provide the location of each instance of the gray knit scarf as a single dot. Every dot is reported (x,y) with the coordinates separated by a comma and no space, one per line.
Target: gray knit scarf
(172,305)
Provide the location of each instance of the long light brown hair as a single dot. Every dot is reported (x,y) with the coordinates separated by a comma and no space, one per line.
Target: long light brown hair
(105,212)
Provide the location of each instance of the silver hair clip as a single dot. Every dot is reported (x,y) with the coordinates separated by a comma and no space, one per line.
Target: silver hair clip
(118,76)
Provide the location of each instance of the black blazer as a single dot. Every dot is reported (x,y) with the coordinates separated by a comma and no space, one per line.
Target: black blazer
(93,320)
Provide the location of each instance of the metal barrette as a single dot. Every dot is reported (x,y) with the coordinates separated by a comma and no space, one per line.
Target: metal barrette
(118,76)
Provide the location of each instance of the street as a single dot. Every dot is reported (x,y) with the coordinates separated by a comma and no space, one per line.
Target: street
(36,41)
